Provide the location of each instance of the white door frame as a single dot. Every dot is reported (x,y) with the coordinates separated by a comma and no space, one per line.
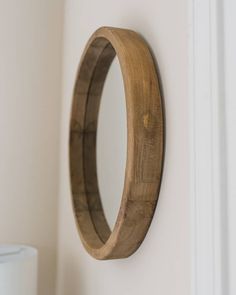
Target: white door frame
(208,148)
(230,139)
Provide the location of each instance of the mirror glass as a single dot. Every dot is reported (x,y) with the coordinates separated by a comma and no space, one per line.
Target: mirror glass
(112,143)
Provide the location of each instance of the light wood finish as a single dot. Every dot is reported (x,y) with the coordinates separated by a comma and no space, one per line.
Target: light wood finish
(145,143)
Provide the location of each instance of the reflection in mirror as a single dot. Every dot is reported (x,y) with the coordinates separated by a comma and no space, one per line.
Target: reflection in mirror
(112,143)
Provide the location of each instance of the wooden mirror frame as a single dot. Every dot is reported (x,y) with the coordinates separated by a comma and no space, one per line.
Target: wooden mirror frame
(144,150)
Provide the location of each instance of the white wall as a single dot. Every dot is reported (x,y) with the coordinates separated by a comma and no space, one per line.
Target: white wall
(30,58)
(162,264)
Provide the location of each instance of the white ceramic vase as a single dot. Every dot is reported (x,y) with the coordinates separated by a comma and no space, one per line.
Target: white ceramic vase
(18,270)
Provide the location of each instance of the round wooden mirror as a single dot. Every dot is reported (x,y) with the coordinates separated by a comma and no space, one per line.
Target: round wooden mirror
(145,141)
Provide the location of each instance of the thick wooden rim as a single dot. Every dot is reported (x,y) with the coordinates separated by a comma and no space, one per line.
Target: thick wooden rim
(145,143)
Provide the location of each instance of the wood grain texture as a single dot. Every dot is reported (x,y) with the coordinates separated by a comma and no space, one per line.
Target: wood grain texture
(145,143)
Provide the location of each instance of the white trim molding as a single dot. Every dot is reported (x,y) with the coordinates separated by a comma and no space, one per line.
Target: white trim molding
(230,139)
(208,162)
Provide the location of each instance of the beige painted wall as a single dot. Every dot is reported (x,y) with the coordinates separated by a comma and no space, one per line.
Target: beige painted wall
(30,95)
(162,264)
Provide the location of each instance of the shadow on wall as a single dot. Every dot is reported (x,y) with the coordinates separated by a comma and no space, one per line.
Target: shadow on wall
(72,277)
